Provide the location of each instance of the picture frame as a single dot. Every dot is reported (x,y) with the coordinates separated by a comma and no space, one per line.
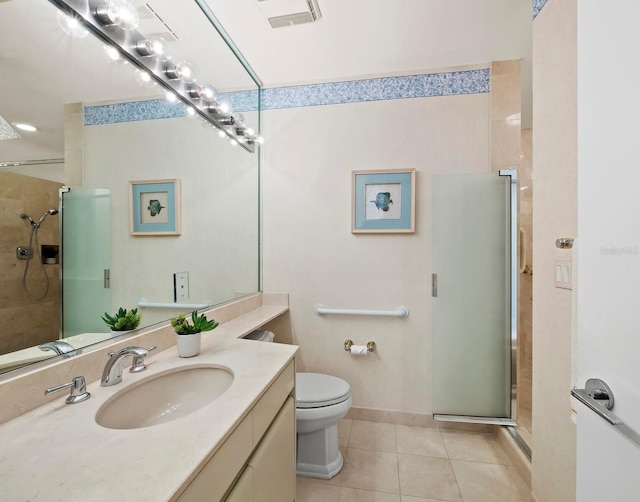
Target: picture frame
(155,207)
(383,201)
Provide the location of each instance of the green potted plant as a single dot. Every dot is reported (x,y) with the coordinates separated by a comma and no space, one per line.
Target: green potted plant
(189,335)
(123,320)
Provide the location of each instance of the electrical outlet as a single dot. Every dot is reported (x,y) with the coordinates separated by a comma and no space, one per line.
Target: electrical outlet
(180,286)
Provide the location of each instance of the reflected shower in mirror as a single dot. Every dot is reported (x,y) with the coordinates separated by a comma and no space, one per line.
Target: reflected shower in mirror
(97,130)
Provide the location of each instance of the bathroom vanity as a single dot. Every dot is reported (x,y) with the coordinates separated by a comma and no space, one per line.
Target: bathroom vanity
(238,447)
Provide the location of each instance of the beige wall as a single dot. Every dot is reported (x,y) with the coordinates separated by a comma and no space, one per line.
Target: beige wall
(309,250)
(555,210)
(23,324)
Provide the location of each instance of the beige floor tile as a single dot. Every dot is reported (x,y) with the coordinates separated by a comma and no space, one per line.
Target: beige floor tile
(372,436)
(354,495)
(480,482)
(474,447)
(344,431)
(525,489)
(428,477)
(420,441)
(371,470)
(309,490)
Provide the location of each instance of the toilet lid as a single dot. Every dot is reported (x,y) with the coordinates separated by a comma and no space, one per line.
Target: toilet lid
(314,390)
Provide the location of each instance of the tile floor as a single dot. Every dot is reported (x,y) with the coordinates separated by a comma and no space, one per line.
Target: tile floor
(398,463)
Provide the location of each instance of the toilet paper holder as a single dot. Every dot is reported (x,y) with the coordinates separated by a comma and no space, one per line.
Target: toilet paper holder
(371,346)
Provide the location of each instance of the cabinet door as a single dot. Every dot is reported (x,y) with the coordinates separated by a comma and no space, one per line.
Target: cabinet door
(274,462)
(243,490)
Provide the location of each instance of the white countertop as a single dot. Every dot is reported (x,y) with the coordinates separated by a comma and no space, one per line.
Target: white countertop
(57,452)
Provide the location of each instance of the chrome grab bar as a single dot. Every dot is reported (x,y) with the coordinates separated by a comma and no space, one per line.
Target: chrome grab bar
(401,312)
(598,397)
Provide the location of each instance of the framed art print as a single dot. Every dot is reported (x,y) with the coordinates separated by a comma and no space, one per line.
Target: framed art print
(155,207)
(383,201)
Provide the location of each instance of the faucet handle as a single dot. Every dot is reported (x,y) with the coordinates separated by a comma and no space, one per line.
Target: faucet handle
(78,390)
(138,361)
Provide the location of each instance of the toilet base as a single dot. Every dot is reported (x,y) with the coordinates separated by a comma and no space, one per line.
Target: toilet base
(318,455)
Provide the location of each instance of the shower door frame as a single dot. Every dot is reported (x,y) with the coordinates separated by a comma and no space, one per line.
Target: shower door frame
(511,420)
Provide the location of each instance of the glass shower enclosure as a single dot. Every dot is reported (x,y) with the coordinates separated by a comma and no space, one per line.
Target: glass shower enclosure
(474,289)
(85,228)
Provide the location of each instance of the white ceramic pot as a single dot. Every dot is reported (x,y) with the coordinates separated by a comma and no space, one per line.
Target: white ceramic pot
(188,345)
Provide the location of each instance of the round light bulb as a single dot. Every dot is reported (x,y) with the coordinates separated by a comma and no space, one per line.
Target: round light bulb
(71,25)
(225,107)
(144,79)
(112,53)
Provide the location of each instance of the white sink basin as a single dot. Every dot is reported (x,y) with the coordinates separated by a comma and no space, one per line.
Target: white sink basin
(164,397)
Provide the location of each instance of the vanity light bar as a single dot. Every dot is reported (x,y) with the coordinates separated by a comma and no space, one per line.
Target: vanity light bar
(151,55)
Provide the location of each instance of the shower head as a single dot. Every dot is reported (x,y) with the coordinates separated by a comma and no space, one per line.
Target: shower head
(27,217)
(45,214)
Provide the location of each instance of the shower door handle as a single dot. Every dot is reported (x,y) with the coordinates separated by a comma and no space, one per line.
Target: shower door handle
(107,278)
(434,285)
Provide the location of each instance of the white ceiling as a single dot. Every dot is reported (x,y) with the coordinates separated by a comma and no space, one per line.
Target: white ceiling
(361,38)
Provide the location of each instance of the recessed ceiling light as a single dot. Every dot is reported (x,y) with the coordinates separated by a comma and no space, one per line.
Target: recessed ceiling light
(25,127)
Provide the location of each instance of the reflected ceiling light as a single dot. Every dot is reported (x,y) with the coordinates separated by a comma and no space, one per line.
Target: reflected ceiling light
(183,71)
(171,97)
(71,25)
(221,133)
(190,111)
(155,46)
(118,13)
(260,140)
(25,127)
(234,142)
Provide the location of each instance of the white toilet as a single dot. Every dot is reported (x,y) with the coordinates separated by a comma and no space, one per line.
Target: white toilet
(321,401)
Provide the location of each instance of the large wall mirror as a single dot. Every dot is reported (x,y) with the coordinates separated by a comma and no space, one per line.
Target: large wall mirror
(111,137)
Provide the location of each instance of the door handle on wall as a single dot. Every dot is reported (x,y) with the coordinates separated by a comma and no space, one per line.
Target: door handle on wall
(434,285)
(598,397)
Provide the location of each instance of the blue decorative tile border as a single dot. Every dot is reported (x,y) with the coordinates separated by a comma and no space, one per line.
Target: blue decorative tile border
(377,89)
(154,109)
(355,91)
(537,7)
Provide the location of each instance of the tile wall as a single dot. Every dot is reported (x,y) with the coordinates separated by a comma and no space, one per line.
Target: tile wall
(22,324)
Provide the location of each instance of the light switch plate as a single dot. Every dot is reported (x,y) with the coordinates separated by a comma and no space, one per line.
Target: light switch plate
(563,274)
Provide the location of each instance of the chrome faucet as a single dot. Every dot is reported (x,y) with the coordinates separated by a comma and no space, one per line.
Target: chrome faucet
(112,373)
(61,348)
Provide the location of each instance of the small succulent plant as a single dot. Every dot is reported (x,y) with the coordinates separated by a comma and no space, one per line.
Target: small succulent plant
(198,323)
(123,320)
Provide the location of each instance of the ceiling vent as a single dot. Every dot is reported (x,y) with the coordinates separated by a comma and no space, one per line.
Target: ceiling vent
(152,25)
(6,131)
(282,13)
